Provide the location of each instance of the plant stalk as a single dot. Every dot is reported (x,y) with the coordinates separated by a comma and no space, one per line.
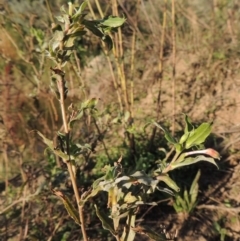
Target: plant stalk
(61,82)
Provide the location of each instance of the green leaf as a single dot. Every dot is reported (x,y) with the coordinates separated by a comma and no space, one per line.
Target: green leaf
(177,208)
(80,10)
(194,188)
(76,118)
(62,9)
(96,182)
(141,177)
(129,198)
(103,27)
(178,147)
(165,178)
(186,198)
(60,19)
(193,160)
(113,22)
(90,194)
(72,211)
(78,149)
(48,142)
(69,41)
(188,130)
(109,173)
(56,40)
(77,33)
(83,6)
(91,25)
(65,237)
(195,183)
(129,234)
(76,28)
(199,135)
(90,104)
(106,221)
(182,206)
(56,151)
(168,135)
(38,34)
(189,126)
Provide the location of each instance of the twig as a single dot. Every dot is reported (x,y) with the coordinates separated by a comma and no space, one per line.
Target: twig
(222,208)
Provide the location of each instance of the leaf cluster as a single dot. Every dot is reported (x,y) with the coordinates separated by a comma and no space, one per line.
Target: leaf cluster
(72,26)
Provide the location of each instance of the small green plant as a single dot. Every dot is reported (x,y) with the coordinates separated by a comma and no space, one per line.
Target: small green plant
(192,138)
(220,230)
(126,191)
(188,200)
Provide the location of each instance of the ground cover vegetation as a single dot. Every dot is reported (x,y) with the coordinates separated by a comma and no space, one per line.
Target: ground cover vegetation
(119,120)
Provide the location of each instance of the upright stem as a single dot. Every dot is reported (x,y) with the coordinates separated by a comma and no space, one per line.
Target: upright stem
(168,168)
(61,83)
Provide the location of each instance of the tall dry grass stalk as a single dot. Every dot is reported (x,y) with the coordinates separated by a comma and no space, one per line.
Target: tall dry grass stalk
(173,66)
(122,82)
(160,68)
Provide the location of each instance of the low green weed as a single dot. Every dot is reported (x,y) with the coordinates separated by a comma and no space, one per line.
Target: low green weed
(188,200)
